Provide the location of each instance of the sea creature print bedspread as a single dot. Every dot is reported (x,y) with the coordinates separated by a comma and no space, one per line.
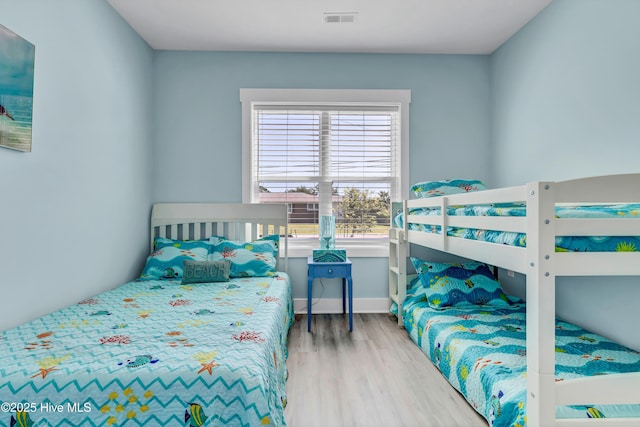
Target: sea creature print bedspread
(153,353)
(482,352)
(563,243)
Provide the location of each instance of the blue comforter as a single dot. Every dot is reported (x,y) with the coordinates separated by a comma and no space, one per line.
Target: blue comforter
(154,353)
(563,243)
(481,351)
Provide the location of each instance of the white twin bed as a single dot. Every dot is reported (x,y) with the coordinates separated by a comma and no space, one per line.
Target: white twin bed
(161,350)
(546,381)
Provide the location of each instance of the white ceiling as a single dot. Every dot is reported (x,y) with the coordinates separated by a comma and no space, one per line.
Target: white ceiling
(391,26)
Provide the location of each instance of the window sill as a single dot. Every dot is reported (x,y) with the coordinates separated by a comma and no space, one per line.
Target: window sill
(358,249)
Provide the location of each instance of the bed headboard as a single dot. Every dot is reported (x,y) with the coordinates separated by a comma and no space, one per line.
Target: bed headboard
(235,221)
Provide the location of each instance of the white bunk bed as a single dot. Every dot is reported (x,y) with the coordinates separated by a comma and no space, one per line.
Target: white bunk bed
(541,264)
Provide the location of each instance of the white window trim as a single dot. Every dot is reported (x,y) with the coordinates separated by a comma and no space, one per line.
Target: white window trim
(399,97)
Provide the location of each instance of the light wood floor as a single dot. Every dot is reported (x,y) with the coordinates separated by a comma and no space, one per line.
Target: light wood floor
(373,376)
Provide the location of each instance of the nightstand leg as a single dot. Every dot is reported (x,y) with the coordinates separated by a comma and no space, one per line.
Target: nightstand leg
(309,299)
(350,304)
(344,299)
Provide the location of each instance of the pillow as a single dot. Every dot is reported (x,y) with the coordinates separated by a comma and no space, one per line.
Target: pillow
(206,271)
(414,287)
(168,262)
(275,238)
(423,190)
(214,240)
(413,280)
(471,283)
(248,259)
(163,242)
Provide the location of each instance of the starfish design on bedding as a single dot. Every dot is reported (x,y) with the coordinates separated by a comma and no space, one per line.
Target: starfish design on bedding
(45,371)
(208,367)
(206,360)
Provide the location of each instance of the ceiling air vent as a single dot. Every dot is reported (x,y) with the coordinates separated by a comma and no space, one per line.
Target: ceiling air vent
(340,17)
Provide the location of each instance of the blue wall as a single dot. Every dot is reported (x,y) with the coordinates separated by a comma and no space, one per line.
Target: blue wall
(565,105)
(565,94)
(198,134)
(198,145)
(74,213)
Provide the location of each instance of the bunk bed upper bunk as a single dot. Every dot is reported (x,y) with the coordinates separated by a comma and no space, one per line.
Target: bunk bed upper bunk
(539,258)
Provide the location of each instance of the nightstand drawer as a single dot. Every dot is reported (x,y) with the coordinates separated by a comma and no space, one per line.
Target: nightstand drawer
(329,271)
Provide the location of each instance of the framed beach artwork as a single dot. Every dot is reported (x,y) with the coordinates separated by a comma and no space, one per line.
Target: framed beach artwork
(17,57)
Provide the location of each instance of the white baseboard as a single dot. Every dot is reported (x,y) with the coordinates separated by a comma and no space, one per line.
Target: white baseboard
(334,305)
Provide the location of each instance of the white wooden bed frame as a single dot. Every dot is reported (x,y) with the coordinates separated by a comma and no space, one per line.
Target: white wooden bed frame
(235,221)
(541,264)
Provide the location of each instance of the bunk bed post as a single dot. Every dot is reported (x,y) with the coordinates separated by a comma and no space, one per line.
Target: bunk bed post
(540,316)
(444,222)
(402,275)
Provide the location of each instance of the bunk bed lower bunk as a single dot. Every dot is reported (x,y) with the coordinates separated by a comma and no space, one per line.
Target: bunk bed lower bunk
(560,371)
(199,339)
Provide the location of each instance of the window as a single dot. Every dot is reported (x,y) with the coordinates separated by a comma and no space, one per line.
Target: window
(327,152)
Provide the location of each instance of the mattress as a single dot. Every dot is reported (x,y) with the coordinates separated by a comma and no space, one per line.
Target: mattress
(563,243)
(481,351)
(154,353)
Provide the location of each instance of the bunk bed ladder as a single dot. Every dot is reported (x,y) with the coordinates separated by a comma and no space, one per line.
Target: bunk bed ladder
(398,268)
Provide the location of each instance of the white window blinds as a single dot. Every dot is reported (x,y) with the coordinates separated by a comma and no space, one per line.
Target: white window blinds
(327,160)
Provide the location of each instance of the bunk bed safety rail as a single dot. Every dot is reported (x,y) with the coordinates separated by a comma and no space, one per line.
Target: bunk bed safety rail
(612,189)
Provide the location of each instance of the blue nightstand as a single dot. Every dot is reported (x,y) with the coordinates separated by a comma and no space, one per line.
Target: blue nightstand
(330,270)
